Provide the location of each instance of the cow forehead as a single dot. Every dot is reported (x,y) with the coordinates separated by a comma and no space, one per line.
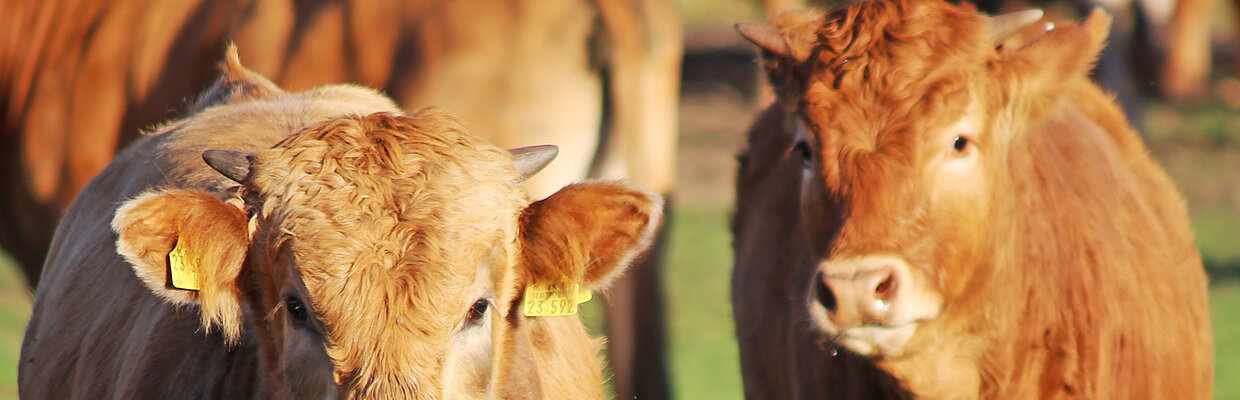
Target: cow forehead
(388,219)
(886,72)
(389,191)
(386,178)
(890,56)
(901,40)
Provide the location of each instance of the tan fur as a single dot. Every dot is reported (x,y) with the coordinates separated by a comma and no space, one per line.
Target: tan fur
(215,235)
(386,227)
(583,233)
(1066,264)
(597,223)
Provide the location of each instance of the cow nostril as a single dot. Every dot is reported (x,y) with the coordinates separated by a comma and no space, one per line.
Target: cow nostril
(823,293)
(886,288)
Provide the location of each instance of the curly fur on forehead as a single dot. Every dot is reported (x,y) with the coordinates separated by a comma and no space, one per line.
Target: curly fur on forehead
(886,69)
(387,218)
(896,44)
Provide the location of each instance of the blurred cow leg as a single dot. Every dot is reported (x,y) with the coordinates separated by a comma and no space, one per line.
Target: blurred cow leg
(1187,67)
(24,228)
(644,51)
(636,329)
(1235,62)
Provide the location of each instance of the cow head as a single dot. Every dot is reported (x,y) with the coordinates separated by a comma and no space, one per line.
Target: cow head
(908,114)
(382,256)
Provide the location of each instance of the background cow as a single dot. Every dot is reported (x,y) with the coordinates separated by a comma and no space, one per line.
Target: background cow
(598,78)
(338,245)
(979,219)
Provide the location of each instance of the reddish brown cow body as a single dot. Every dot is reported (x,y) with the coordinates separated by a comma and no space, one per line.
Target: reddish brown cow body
(980,220)
(598,78)
(342,250)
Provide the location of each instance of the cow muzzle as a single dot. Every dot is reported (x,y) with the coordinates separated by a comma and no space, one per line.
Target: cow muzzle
(872,304)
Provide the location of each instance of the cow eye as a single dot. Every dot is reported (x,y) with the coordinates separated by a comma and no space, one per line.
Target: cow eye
(296,309)
(807,154)
(960,145)
(477,310)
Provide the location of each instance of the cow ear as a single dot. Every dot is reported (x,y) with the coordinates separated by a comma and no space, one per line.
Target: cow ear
(187,247)
(237,83)
(587,233)
(1059,57)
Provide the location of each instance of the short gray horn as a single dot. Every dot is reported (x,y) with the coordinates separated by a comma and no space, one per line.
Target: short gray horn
(1003,26)
(766,37)
(234,164)
(531,159)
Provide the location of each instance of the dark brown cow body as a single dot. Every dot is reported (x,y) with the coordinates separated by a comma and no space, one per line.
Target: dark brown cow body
(598,78)
(351,252)
(975,216)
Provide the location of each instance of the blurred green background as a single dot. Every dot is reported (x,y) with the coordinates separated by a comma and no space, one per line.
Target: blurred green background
(1199,143)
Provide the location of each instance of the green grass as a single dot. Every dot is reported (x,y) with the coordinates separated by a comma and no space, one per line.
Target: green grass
(704,359)
(14,312)
(1225,316)
(1218,237)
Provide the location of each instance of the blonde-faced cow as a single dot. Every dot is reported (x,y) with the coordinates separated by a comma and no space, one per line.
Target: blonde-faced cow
(332,248)
(80,79)
(977,218)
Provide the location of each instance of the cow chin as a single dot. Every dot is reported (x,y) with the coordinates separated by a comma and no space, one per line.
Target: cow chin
(872,305)
(878,341)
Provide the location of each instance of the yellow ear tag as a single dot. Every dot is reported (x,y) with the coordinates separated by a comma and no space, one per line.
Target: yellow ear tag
(183,270)
(551,299)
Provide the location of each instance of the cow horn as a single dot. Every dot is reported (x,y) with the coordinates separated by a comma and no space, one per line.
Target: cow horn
(1003,26)
(531,159)
(233,164)
(765,36)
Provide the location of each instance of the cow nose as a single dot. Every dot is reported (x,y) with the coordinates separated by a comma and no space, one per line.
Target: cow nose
(860,295)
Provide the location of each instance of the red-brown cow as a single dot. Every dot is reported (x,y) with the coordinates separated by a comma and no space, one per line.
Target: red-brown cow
(599,78)
(979,219)
(333,248)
